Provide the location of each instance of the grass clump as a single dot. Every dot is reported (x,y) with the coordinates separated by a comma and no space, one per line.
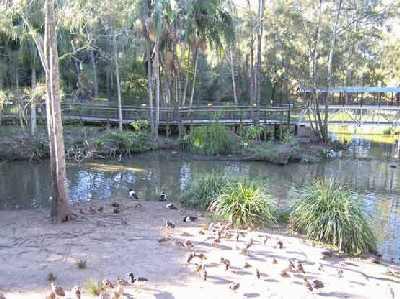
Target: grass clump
(81,264)
(244,203)
(201,192)
(214,139)
(331,213)
(93,287)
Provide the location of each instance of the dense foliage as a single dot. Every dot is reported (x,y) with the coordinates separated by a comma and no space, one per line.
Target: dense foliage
(331,213)
(213,139)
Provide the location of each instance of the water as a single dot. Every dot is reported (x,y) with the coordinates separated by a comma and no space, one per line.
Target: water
(368,167)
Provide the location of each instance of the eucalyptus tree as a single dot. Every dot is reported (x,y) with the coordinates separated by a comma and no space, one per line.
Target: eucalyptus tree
(19,13)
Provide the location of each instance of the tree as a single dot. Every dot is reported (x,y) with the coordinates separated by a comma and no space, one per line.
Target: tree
(60,209)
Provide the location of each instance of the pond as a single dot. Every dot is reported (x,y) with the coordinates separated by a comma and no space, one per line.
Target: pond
(370,167)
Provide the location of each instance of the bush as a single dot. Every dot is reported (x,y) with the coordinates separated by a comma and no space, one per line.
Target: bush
(245,204)
(125,142)
(331,213)
(201,192)
(214,139)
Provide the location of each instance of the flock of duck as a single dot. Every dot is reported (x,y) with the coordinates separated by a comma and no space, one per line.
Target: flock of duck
(215,233)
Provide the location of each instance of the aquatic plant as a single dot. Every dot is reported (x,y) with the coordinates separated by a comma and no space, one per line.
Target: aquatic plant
(331,213)
(202,191)
(213,139)
(244,203)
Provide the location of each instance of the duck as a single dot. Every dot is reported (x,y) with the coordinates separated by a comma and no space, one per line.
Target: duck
(308,285)
(189,219)
(115,204)
(249,243)
(188,244)
(59,291)
(106,283)
(204,273)
(257,272)
(317,284)
(116,210)
(190,257)
(122,282)
(132,194)
(300,268)
(284,273)
(171,206)
(100,209)
(76,290)
(280,244)
(225,262)
(274,261)
(169,224)
(246,265)
(163,196)
(234,286)
(134,279)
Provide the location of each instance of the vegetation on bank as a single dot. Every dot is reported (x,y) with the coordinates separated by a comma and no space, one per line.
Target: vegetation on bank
(327,211)
(80,143)
(202,191)
(245,204)
(331,213)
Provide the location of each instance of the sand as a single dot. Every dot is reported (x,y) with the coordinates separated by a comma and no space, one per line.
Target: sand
(115,244)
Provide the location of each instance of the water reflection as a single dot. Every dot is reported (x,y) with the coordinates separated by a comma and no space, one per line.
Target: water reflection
(368,168)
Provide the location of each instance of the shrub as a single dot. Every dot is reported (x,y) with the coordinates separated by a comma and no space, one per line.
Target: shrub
(245,204)
(331,213)
(251,133)
(201,192)
(125,142)
(214,139)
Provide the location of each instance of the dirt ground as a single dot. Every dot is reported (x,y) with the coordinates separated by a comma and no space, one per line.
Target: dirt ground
(115,244)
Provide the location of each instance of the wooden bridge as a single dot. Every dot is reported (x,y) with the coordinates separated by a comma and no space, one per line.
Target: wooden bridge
(229,115)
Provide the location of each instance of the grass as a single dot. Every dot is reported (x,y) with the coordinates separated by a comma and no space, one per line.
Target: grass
(331,213)
(245,204)
(214,139)
(202,191)
(93,287)
(81,264)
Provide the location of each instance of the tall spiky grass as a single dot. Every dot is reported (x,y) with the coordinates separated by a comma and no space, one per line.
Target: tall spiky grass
(244,203)
(332,213)
(202,191)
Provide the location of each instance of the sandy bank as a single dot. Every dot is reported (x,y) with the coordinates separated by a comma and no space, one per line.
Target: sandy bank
(115,244)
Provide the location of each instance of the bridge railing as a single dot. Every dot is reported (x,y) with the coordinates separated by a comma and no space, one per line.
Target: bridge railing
(175,115)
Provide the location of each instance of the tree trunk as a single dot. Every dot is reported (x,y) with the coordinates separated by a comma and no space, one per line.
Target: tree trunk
(115,50)
(233,76)
(330,73)
(261,6)
(196,58)
(33,104)
(95,83)
(156,73)
(150,87)
(60,209)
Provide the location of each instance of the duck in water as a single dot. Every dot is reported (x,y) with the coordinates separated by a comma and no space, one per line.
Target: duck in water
(132,194)
(163,196)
